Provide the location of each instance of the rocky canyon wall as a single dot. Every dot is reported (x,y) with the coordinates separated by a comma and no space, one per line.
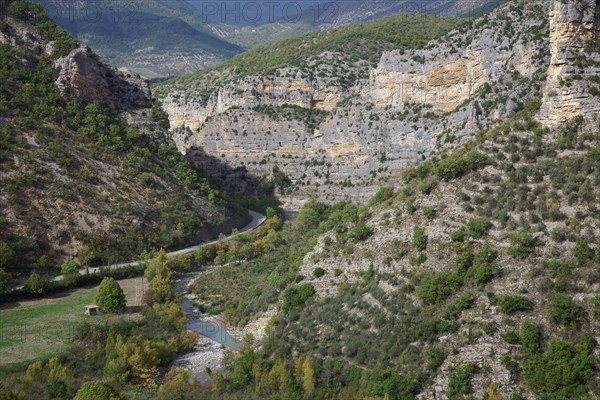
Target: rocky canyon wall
(575,62)
(412,104)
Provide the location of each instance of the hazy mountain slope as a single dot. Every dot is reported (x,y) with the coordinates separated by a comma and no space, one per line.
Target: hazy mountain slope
(153,38)
(160,38)
(264,22)
(78,179)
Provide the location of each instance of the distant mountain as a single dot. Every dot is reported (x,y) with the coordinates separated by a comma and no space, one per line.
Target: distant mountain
(328,13)
(151,37)
(158,38)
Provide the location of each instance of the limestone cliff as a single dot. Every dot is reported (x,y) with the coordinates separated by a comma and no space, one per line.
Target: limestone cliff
(412,104)
(575,62)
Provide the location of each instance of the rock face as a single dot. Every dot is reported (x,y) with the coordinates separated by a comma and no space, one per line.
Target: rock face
(574,29)
(82,76)
(446,80)
(411,105)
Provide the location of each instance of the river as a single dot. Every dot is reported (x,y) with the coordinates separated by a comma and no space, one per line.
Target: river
(214,338)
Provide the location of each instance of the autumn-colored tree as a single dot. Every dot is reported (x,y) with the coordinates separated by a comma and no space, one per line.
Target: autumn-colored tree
(308,378)
(96,390)
(144,365)
(177,386)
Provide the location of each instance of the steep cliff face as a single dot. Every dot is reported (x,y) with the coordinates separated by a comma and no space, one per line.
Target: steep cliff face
(448,79)
(82,76)
(575,62)
(412,104)
(253,92)
(80,73)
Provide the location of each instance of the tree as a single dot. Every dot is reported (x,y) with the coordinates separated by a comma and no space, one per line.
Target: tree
(308,378)
(7,256)
(70,271)
(5,282)
(110,296)
(96,390)
(177,386)
(35,284)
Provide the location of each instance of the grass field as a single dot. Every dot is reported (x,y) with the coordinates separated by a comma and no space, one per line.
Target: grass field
(43,328)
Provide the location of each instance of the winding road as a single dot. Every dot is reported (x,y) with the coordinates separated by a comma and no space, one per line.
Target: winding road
(257,220)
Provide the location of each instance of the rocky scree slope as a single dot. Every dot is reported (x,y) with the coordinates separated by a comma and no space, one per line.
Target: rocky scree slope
(76,179)
(345,126)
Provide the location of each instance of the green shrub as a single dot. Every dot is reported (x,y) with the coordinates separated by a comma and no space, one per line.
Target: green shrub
(70,271)
(511,337)
(512,304)
(489,327)
(419,239)
(582,251)
(435,356)
(35,284)
(318,272)
(360,231)
(562,372)
(459,164)
(460,382)
(56,388)
(5,282)
(530,337)
(482,269)
(456,307)
(458,235)
(564,310)
(430,212)
(479,227)
(385,193)
(7,256)
(522,244)
(296,296)
(147,179)
(436,288)
(560,269)
(96,390)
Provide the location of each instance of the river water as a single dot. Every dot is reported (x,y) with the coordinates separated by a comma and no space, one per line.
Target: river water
(214,338)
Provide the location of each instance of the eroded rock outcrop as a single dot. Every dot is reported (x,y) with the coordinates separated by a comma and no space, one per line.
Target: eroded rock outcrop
(574,30)
(81,75)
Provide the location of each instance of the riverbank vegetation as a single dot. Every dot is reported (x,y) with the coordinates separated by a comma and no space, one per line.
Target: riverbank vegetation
(125,353)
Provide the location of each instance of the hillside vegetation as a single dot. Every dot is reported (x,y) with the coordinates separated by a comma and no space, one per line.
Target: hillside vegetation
(76,179)
(477,274)
(349,50)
